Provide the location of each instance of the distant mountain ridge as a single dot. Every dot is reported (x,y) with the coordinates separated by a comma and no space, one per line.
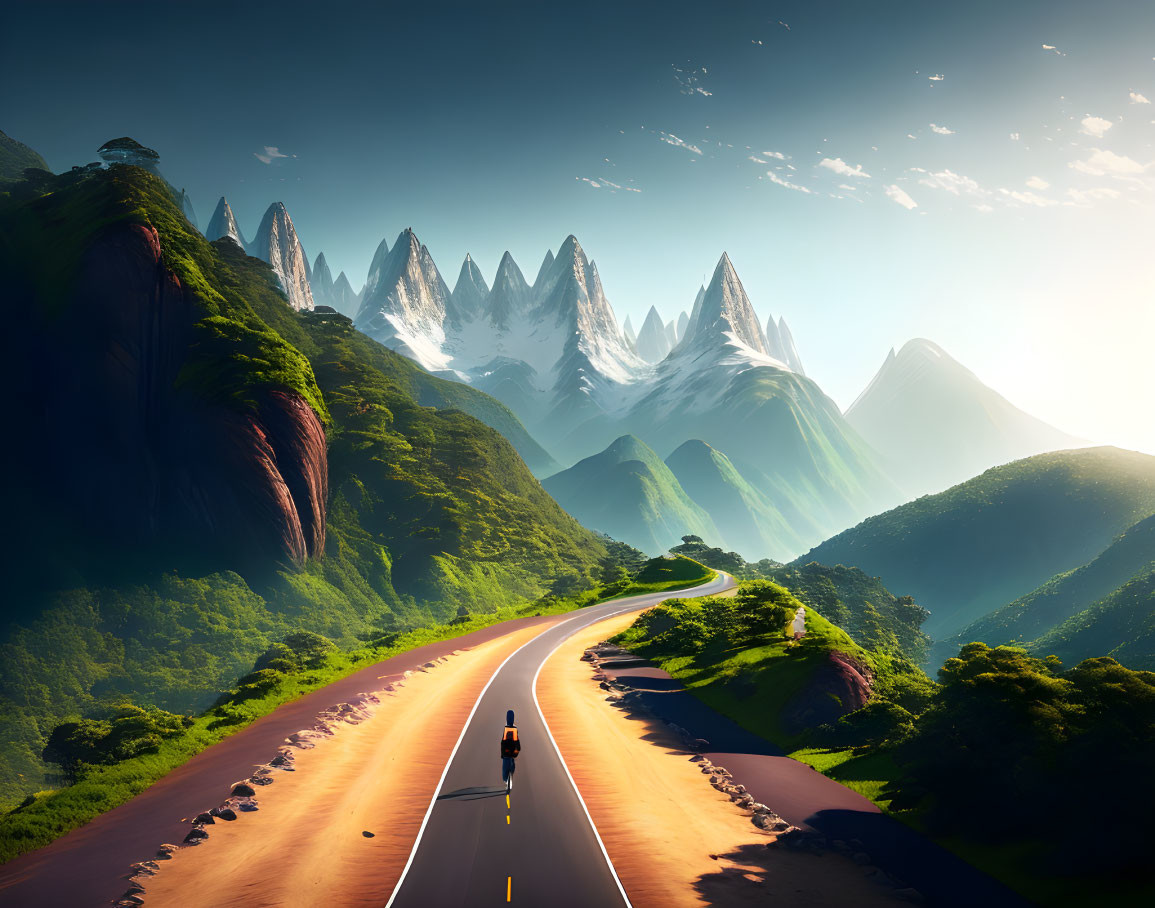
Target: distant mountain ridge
(628,493)
(968,551)
(1081,613)
(936,423)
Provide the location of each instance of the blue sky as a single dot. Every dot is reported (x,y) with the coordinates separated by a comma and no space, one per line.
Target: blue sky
(1004,210)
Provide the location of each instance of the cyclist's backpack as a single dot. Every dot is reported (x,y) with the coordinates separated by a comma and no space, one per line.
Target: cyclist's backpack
(510,745)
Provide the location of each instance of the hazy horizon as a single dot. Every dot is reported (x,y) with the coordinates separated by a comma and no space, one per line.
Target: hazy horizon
(982,177)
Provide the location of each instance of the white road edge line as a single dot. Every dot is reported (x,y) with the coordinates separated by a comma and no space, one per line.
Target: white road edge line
(465,728)
(533,689)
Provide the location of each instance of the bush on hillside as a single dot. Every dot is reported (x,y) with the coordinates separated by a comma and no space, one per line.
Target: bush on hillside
(128,731)
(1013,736)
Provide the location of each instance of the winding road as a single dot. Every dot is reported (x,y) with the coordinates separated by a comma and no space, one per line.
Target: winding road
(540,846)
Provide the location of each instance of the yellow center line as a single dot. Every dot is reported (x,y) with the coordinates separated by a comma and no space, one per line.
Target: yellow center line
(507,802)
(507,819)
(509,889)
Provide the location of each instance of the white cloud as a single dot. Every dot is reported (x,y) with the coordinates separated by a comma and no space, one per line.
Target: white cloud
(840,167)
(941,130)
(911,136)
(1095,126)
(774,178)
(1028,198)
(1014,137)
(1137,98)
(949,181)
(270,154)
(983,207)
(1087,196)
(774,154)
(847,187)
(1038,183)
(670,139)
(1053,49)
(1106,163)
(899,196)
(937,77)
(689,80)
(603,183)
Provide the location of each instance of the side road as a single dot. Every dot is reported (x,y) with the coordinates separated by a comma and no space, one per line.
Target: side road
(90,865)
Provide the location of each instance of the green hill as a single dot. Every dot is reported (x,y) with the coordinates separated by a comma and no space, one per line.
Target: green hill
(744,516)
(628,493)
(1120,624)
(1063,597)
(15,158)
(969,550)
(860,604)
(202,470)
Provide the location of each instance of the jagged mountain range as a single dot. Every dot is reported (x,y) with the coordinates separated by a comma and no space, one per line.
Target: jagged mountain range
(554,353)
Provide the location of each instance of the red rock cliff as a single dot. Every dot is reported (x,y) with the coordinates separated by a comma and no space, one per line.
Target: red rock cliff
(162,468)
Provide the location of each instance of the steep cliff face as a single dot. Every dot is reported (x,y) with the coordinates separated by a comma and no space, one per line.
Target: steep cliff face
(166,469)
(840,685)
(277,243)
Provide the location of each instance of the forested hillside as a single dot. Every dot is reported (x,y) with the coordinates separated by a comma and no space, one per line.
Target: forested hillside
(202,470)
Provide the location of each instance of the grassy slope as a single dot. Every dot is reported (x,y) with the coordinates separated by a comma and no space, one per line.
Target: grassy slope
(50,814)
(869,612)
(1120,625)
(1037,615)
(753,685)
(965,552)
(749,522)
(663,574)
(15,157)
(430,510)
(628,492)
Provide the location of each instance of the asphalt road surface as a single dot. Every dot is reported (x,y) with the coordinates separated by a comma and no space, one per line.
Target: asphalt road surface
(539,846)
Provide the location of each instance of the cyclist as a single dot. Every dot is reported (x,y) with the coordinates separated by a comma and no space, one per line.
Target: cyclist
(510,748)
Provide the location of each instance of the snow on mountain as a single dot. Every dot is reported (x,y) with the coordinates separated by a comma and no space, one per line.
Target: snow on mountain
(276,242)
(342,298)
(223,223)
(629,333)
(683,323)
(373,277)
(938,424)
(572,306)
(671,334)
(695,311)
(470,292)
(725,307)
(407,304)
(546,264)
(653,343)
(321,281)
(511,296)
(789,351)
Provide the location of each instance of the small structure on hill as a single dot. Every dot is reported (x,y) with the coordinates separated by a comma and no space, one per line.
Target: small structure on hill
(129,151)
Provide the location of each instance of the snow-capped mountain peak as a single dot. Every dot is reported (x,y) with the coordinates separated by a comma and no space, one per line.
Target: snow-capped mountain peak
(511,296)
(471,291)
(277,243)
(374,275)
(407,307)
(653,343)
(224,223)
(726,309)
(546,264)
